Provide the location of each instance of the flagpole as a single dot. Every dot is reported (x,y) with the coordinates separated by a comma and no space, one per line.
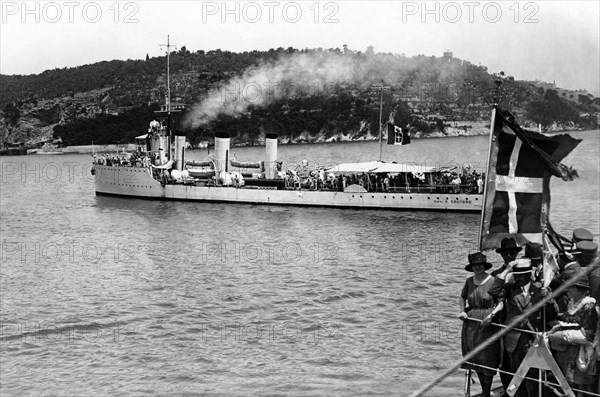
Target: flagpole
(380,129)
(487,177)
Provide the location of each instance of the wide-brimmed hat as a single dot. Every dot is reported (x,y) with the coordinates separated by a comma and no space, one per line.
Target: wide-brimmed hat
(522,266)
(582,235)
(477,259)
(508,244)
(533,251)
(583,283)
(586,248)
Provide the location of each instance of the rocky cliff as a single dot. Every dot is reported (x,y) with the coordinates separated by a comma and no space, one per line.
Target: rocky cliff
(320,96)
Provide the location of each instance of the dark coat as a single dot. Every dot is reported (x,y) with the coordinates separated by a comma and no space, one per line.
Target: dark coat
(515,304)
(594,279)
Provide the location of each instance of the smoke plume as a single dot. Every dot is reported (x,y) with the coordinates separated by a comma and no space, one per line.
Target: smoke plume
(291,75)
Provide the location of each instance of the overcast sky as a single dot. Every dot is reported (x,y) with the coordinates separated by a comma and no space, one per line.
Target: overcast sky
(544,40)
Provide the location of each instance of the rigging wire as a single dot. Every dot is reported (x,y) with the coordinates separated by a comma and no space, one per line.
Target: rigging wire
(585,272)
(547,383)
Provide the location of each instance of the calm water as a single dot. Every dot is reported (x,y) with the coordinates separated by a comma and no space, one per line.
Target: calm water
(105,296)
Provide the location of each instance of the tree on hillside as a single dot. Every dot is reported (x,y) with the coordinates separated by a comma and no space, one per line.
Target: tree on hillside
(455,89)
(550,109)
(584,100)
(106,129)
(12,113)
(551,95)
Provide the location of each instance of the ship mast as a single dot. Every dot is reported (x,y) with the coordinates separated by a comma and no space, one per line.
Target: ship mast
(168,46)
(168,96)
(380,125)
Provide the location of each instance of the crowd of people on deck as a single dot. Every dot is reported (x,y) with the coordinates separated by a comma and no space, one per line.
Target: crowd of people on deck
(467,182)
(135,159)
(569,322)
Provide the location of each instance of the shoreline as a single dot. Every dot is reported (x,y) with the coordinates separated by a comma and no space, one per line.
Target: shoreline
(85,149)
(116,148)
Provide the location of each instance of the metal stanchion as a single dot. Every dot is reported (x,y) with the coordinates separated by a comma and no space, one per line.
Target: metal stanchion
(468,383)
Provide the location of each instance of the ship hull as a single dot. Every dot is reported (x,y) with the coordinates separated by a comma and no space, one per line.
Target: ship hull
(138,182)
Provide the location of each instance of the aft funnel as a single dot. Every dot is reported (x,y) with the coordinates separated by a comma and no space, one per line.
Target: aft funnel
(271,156)
(179,152)
(221,151)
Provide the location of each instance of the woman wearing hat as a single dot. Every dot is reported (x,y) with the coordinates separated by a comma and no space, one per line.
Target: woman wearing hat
(475,302)
(575,332)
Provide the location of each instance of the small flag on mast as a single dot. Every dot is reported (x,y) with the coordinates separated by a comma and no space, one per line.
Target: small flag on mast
(396,136)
